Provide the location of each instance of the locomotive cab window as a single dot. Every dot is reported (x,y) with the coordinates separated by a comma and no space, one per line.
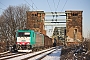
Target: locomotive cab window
(20,34)
(23,34)
(27,34)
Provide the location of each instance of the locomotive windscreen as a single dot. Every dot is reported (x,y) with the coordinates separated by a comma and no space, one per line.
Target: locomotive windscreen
(23,34)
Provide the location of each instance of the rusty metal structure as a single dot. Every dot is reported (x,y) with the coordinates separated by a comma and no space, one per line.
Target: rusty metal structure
(35,21)
(60,34)
(54,19)
(74,27)
(55,26)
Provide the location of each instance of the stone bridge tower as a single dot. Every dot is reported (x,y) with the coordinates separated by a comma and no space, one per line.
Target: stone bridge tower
(74,26)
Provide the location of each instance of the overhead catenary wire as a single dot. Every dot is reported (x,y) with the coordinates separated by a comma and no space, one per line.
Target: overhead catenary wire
(64,5)
(54,3)
(2,9)
(49,5)
(29,4)
(34,4)
(57,5)
(3,4)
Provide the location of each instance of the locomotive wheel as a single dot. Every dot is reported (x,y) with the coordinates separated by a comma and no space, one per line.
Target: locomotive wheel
(18,47)
(30,46)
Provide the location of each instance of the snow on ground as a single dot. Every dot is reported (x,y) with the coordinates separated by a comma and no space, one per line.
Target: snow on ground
(41,55)
(53,56)
(27,55)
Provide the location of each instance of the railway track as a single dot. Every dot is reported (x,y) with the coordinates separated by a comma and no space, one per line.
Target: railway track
(26,56)
(11,55)
(4,53)
(40,55)
(8,54)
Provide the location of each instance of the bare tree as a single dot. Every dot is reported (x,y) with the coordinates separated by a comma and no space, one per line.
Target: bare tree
(12,19)
(3,33)
(20,15)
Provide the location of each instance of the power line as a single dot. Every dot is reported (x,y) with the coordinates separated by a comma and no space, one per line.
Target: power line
(29,4)
(57,5)
(5,10)
(3,4)
(2,9)
(54,3)
(34,4)
(49,5)
(64,5)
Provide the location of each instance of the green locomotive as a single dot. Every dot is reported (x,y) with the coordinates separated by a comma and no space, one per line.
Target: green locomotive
(29,39)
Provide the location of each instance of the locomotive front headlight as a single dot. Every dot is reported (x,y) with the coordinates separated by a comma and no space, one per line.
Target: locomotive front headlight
(23,43)
(18,43)
(28,43)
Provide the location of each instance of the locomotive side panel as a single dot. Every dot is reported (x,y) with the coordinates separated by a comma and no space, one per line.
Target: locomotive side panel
(39,40)
(33,38)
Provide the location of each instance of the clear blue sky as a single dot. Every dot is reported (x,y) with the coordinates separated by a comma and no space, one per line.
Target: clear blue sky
(43,5)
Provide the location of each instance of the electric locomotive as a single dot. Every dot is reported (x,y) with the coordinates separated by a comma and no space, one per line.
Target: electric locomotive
(30,40)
